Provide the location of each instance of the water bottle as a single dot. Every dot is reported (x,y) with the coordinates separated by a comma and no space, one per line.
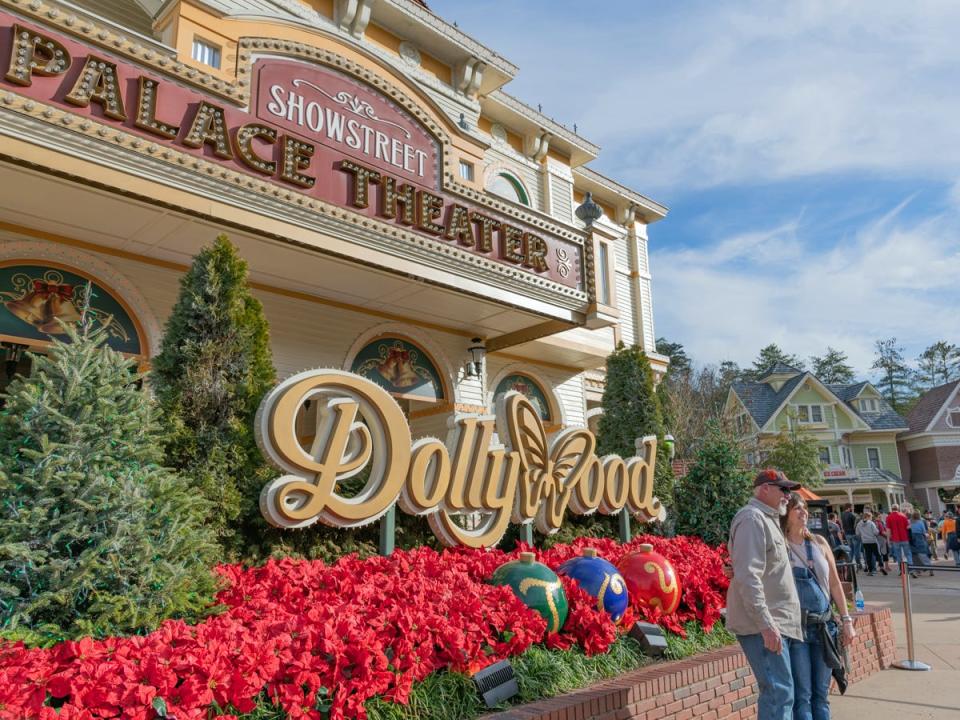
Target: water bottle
(858,600)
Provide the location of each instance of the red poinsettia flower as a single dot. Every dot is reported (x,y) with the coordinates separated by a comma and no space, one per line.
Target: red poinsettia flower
(321,640)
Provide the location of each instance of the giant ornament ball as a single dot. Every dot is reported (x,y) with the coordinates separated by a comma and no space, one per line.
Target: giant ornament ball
(651,579)
(537,586)
(600,579)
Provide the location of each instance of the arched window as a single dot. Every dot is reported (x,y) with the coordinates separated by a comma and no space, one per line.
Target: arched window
(507,186)
(37,296)
(529,388)
(401,368)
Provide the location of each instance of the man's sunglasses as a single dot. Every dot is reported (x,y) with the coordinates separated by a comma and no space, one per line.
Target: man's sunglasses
(782,489)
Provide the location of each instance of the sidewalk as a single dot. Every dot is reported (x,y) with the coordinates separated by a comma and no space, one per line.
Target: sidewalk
(903,695)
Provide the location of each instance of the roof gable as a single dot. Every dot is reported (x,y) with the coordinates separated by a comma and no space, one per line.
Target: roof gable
(779,368)
(764,403)
(885,418)
(930,406)
(761,400)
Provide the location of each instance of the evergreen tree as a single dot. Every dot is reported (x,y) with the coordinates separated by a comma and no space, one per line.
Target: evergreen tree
(714,490)
(938,364)
(631,410)
(213,369)
(796,452)
(728,373)
(770,356)
(894,373)
(95,536)
(832,367)
(679,360)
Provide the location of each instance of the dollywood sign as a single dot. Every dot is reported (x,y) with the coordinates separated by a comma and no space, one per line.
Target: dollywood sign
(492,470)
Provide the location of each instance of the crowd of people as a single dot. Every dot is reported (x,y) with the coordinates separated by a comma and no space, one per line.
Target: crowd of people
(786,604)
(877,538)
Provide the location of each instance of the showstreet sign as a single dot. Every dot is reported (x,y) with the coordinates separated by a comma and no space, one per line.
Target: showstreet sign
(360,428)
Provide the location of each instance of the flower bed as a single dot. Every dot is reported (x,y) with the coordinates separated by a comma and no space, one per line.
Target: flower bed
(320,640)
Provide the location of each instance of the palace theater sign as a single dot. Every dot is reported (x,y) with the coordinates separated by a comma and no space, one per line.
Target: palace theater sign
(309,126)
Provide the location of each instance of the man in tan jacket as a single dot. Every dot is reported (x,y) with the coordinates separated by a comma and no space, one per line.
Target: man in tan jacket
(763,609)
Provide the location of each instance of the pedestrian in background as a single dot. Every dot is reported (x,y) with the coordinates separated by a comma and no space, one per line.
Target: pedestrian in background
(898,527)
(948,531)
(919,533)
(868,533)
(883,539)
(848,521)
(931,534)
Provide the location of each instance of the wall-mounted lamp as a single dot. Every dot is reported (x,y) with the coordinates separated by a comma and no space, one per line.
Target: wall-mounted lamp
(14,353)
(588,211)
(477,353)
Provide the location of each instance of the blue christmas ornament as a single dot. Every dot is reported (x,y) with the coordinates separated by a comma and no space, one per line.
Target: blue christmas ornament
(600,579)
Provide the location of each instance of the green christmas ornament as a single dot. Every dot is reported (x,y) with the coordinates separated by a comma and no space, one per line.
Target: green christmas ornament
(537,586)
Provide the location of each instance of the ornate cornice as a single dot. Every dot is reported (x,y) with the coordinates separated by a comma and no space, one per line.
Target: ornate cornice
(539,118)
(651,207)
(453,33)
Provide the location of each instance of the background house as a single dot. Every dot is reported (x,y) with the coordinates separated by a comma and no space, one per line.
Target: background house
(854,426)
(930,449)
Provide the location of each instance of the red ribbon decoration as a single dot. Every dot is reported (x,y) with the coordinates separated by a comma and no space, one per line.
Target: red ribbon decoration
(46,289)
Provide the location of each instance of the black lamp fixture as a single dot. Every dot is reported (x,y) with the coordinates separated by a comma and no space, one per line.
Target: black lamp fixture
(496,683)
(588,211)
(651,638)
(477,353)
(14,353)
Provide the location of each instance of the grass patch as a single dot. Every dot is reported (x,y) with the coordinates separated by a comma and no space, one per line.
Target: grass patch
(697,641)
(541,673)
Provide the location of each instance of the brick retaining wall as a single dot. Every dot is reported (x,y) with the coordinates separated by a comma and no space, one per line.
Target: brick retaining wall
(710,686)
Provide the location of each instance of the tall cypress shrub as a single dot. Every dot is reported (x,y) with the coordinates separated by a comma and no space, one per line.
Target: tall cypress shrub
(716,487)
(212,371)
(96,537)
(631,410)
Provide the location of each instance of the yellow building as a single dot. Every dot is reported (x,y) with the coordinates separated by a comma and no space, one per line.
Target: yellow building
(396,206)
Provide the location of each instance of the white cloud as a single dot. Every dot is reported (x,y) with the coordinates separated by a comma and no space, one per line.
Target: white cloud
(701,93)
(893,278)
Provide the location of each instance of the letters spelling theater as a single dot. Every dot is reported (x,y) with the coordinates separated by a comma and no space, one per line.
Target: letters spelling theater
(403,216)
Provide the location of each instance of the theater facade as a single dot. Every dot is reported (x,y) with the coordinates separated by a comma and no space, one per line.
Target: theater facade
(403,216)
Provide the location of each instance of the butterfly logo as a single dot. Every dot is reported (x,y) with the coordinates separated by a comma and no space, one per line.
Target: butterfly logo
(549,471)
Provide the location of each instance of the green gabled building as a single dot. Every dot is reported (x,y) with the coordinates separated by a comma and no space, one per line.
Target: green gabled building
(855,427)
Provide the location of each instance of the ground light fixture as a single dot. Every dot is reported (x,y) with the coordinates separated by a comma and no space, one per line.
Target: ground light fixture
(651,638)
(496,683)
(477,353)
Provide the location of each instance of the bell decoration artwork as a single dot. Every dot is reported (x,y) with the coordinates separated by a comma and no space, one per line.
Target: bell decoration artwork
(45,306)
(398,368)
(600,579)
(651,579)
(537,586)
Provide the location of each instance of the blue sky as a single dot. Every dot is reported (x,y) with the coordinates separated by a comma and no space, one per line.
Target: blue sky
(808,152)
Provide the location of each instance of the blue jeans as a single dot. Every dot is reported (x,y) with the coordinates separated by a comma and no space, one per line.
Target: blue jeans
(774,677)
(811,681)
(896,548)
(857,547)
